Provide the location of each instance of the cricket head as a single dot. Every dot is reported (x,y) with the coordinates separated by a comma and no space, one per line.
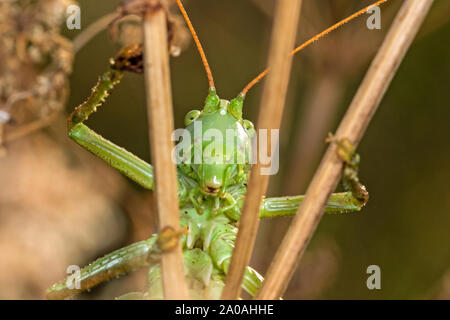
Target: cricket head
(220,148)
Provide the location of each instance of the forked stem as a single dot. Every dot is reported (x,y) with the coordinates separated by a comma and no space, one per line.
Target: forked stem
(352,127)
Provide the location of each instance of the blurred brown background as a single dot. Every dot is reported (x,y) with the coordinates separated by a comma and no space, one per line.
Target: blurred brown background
(60,206)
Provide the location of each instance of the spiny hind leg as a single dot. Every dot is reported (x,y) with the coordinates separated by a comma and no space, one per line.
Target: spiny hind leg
(127,259)
(346,151)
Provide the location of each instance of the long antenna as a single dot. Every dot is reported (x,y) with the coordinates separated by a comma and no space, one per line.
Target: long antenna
(198,44)
(312,40)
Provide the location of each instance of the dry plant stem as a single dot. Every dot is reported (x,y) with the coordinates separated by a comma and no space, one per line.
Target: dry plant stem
(271,110)
(352,127)
(160,113)
(92,30)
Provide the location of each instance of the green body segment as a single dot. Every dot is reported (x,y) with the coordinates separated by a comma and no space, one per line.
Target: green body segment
(344,202)
(120,262)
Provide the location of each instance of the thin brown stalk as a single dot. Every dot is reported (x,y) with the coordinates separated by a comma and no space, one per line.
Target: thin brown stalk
(273,99)
(92,30)
(160,114)
(2,148)
(352,127)
(30,128)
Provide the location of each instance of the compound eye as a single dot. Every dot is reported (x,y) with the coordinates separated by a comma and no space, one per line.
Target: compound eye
(191,116)
(249,127)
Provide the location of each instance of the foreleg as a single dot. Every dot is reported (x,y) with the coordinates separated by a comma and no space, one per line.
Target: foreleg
(133,167)
(343,202)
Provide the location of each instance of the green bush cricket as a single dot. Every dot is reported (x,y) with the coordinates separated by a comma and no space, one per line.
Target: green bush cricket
(210,194)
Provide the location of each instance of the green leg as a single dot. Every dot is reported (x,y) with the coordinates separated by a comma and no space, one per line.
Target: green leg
(135,256)
(343,202)
(136,169)
(221,249)
(128,59)
(351,181)
(346,151)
